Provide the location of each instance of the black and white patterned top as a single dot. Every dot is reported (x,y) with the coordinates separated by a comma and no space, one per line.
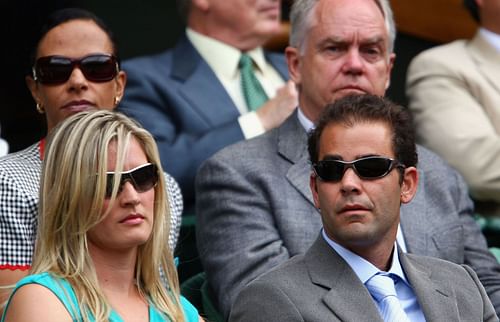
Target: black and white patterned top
(19,192)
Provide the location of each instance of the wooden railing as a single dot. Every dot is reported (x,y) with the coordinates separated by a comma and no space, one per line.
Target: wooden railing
(435,20)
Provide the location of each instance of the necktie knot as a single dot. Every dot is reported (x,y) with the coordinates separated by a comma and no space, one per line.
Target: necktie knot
(254,94)
(381,287)
(245,62)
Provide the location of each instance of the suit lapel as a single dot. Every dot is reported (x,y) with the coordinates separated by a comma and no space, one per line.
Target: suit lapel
(199,83)
(412,215)
(292,146)
(435,298)
(486,58)
(298,175)
(346,292)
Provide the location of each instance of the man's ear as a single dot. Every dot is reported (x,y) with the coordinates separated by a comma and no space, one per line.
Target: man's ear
(390,65)
(202,5)
(293,60)
(409,184)
(313,184)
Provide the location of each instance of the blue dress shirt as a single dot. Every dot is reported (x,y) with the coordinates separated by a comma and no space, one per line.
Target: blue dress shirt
(365,270)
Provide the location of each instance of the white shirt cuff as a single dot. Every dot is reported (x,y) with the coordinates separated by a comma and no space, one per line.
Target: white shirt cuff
(250,125)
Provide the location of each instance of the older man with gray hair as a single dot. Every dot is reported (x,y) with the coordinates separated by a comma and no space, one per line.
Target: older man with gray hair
(255,209)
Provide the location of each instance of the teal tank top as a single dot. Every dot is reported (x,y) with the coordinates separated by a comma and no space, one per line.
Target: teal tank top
(63,290)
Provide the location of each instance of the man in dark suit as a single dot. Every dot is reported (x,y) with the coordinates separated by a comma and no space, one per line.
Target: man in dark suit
(191,98)
(255,208)
(365,166)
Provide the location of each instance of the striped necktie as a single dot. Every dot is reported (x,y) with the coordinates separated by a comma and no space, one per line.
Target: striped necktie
(252,90)
(381,287)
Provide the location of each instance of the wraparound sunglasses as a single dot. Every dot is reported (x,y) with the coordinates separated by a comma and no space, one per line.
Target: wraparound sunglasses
(366,168)
(143,178)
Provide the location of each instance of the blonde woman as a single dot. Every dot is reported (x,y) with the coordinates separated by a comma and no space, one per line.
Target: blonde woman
(102,229)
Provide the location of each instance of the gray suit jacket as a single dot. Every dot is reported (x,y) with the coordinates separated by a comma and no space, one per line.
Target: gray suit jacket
(321,286)
(177,97)
(255,210)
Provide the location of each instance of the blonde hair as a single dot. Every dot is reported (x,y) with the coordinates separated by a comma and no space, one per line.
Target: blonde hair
(71,202)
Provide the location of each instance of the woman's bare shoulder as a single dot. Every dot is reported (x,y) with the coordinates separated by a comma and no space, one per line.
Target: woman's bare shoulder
(34,302)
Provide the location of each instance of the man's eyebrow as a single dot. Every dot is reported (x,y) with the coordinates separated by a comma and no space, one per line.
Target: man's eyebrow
(332,40)
(373,40)
(366,155)
(341,41)
(332,157)
(358,156)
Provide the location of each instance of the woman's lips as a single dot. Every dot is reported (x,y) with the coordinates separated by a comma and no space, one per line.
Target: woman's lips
(132,219)
(78,106)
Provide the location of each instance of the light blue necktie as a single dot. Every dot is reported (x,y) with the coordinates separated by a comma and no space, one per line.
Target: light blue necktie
(254,94)
(381,287)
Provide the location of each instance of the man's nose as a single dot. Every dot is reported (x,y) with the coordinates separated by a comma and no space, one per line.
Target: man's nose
(350,182)
(353,63)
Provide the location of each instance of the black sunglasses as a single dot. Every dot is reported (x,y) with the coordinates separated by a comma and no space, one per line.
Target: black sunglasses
(365,168)
(143,178)
(57,69)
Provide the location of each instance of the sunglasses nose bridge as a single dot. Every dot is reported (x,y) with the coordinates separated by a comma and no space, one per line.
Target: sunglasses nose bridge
(77,76)
(128,178)
(345,172)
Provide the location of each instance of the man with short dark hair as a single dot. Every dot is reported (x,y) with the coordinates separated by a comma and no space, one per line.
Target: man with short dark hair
(255,209)
(364,159)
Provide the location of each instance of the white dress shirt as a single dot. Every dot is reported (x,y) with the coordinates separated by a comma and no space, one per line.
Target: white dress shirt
(223,59)
(492,38)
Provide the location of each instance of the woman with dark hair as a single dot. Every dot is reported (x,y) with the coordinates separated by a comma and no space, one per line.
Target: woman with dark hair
(75,68)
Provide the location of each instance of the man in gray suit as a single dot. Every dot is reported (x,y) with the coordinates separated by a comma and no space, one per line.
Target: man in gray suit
(364,158)
(255,209)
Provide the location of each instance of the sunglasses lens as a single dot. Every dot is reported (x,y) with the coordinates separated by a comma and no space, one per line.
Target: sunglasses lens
(330,170)
(53,70)
(99,68)
(58,69)
(367,168)
(145,178)
(372,167)
(109,185)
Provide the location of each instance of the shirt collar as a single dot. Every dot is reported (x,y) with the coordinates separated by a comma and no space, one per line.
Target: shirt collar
(363,268)
(492,38)
(225,62)
(306,123)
